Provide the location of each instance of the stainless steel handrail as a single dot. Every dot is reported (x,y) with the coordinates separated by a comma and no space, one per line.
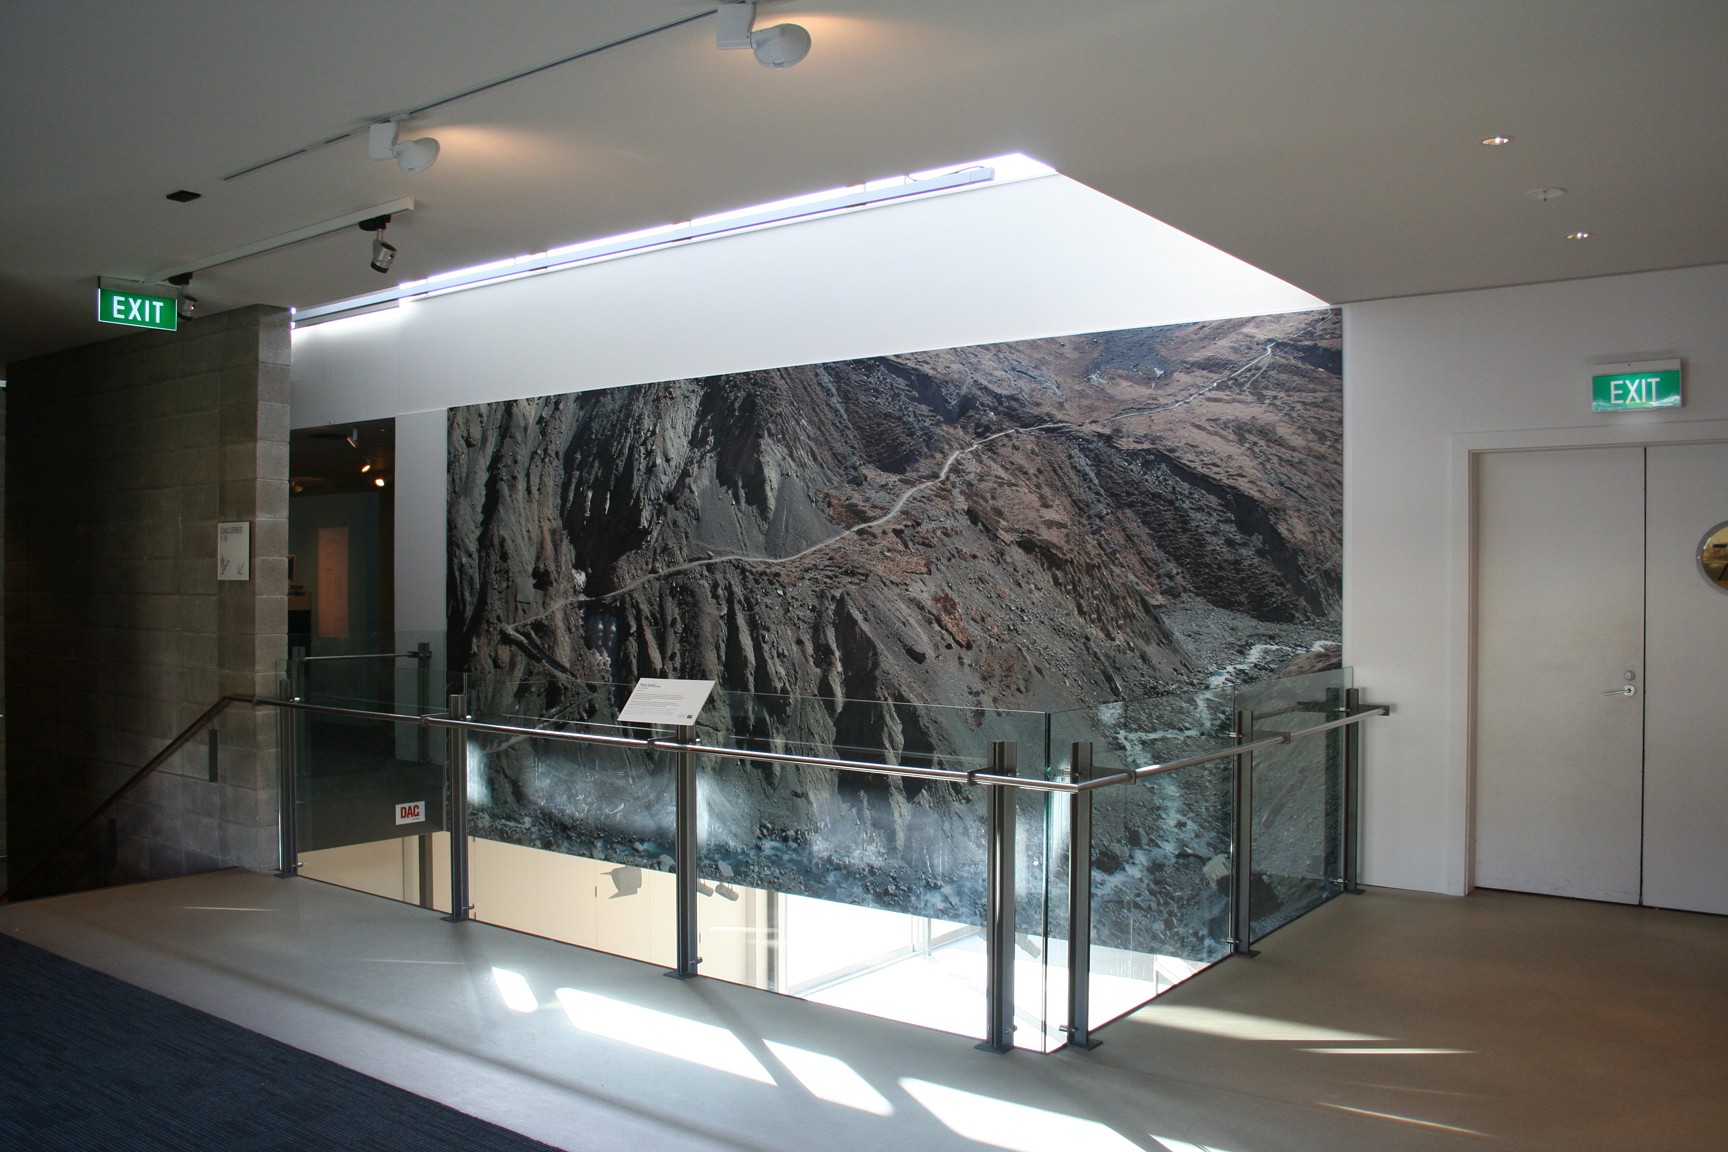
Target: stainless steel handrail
(125,790)
(953,775)
(363,656)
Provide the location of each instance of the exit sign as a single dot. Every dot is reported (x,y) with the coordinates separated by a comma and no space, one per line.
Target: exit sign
(136,311)
(1635,387)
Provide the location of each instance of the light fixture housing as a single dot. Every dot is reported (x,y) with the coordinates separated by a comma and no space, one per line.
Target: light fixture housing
(188,303)
(410,155)
(383,252)
(781,46)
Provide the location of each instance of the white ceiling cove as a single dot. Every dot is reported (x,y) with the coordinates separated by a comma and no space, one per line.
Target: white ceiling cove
(1333,143)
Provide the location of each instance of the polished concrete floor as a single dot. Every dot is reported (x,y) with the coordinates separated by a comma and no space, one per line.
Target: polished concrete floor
(1388,1021)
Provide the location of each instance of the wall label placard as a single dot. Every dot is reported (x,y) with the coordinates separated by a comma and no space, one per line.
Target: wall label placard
(234,551)
(136,310)
(1635,387)
(413,812)
(675,702)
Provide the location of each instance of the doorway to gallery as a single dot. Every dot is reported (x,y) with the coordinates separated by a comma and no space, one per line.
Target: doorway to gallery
(1600,686)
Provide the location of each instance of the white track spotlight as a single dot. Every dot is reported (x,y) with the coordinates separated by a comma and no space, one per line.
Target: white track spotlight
(410,155)
(778,47)
(383,254)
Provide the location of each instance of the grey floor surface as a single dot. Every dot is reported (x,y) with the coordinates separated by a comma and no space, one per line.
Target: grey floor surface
(1386,1021)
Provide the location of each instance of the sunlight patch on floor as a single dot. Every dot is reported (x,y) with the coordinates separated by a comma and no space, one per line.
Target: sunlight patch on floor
(830,1078)
(1016,1127)
(662,1033)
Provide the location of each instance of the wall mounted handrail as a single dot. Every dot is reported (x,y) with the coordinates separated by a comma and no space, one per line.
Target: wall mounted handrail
(126,789)
(363,656)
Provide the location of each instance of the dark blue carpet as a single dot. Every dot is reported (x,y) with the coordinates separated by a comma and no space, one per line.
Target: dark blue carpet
(88,1062)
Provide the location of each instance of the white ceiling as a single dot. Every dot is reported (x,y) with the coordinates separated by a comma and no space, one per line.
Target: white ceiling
(1333,143)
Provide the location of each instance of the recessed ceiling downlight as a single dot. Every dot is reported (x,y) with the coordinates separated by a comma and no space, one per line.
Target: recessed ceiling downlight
(1578,235)
(1545,194)
(1496,141)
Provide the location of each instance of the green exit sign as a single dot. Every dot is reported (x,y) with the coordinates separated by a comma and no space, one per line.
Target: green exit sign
(137,311)
(1635,387)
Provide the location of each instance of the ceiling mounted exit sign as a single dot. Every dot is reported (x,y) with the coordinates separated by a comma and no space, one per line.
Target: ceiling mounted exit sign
(1634,387)
(135,310)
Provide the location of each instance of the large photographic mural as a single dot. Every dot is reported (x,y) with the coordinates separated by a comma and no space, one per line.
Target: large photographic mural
(1084,522)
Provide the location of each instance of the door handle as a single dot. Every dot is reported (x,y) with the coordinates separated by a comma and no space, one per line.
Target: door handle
(1629,690)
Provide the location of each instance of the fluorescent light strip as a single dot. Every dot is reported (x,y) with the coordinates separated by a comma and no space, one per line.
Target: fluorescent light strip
(706,228)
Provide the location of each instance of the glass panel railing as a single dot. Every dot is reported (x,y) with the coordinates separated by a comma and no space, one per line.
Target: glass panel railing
(875,883)
(367,816)
(1160,860)
(1040,918)
(843,851)
(573,842)
(862,892)
(370,793)
(1298,792)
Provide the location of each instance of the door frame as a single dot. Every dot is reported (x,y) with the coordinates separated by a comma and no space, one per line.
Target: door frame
(1633,430)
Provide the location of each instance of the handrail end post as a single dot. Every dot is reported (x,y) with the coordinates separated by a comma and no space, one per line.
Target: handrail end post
(999,900)
(1241,842)
(456,811)
(1080,771)
(1351,831)
(685,850)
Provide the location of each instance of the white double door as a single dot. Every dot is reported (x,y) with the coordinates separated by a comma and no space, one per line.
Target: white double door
(1587,586)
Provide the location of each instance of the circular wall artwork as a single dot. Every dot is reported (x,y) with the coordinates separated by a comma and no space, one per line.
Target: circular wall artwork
(1713,556)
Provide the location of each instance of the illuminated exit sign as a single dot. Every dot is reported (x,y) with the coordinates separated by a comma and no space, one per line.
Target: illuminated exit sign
(1634,387)
(136,311)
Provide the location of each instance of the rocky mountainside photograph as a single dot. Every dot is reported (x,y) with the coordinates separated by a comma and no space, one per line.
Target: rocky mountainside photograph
(891,559)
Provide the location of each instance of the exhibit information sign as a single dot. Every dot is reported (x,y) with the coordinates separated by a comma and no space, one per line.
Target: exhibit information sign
(234,550)
(675,702)
(1635,387)
(137,311)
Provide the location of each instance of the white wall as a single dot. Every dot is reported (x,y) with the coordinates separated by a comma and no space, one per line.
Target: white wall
(1427,382)
(1039,257)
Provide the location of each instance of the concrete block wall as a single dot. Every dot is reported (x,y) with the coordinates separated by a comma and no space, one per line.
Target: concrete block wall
(3,853)
(125,455)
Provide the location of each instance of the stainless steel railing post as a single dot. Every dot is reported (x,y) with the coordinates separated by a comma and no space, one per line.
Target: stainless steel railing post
(1242,843)
(999,901)
(287,817)
(423,697)
(1080,900)
(684,852)
(1351,850)
(456,812)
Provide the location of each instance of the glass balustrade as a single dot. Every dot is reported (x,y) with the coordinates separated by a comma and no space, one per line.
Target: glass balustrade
(1297,796)
(868,855)
(1159,870)
(369,792)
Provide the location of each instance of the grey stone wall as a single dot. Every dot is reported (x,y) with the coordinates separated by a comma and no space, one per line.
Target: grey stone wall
(125,455)
(3,854)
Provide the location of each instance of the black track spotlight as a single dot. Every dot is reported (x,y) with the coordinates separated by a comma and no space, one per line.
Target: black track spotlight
(383,253)
(188,303)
